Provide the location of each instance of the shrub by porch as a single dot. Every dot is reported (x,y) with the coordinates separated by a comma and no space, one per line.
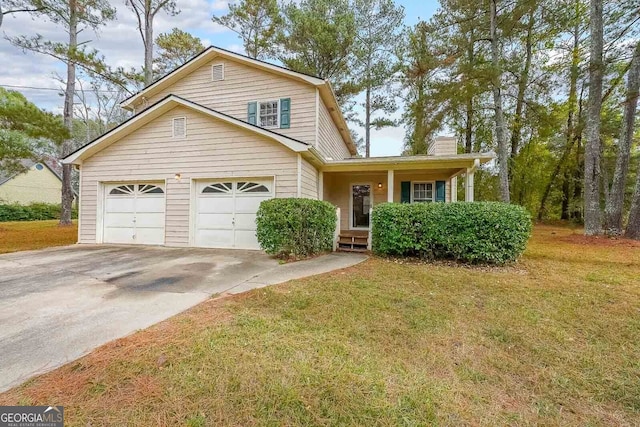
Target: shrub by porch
(293,227)
(477,233)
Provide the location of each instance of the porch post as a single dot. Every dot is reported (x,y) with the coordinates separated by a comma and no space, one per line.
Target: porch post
(453,189)
(468,185)
(390,186)
(320,185)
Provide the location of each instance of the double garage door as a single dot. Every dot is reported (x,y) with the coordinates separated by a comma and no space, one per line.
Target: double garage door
(224,216)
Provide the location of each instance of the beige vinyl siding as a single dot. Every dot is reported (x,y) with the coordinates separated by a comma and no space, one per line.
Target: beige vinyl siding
(32,186)
(330,142)
(212,149)
(243,84)
(309,180)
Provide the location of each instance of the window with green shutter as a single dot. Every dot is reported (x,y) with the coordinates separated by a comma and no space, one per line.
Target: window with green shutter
(440,191)
(252,113)
(285,113)
(405,192)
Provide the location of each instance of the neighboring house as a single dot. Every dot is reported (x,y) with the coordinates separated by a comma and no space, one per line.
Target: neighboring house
(40,183)
(211,140)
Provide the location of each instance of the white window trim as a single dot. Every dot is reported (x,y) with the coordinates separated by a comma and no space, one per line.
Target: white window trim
(223,70)
(433,190)
(277,126)
(173,128)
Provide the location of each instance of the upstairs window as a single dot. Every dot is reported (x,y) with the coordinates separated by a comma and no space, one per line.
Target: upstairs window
(180,127)
(217,72)
(268,114)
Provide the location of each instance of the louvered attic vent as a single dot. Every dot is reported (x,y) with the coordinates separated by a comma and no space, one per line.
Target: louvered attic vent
(179,127)
(217,72)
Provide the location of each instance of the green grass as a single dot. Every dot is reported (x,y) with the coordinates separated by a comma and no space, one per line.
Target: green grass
(553,340)
(31,235)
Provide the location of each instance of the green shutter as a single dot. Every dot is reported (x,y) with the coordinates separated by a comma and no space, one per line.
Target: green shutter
(405,192)
(440,191)
(285,113)
(252,113)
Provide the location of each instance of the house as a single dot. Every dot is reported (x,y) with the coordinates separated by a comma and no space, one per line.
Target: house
(223,132)
(39,183)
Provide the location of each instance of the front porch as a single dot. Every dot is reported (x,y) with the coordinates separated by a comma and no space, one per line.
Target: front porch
(355,186)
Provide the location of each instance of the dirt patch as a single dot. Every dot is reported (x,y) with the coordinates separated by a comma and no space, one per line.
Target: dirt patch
(579,239)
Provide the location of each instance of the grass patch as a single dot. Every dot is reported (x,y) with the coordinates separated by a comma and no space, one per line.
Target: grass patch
(30,235)
(549,341)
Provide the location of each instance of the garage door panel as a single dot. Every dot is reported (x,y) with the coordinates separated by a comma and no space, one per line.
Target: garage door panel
(246,221)
(119,220)
(246,239)
(120,204)
(214,238)
(119,234)
(150,220)
(213,221)
(150,204)
(248,204)
(215,204)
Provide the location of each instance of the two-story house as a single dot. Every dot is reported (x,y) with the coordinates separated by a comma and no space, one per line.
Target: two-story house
(211,140)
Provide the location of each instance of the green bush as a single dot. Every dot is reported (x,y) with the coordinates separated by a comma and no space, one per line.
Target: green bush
(477,233)
(295,227)
(32,212)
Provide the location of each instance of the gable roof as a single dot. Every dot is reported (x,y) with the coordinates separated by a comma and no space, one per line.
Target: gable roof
(323,86)
(165,104)
(27,164)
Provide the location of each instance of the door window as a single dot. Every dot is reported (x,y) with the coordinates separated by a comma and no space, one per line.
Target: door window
(361,203)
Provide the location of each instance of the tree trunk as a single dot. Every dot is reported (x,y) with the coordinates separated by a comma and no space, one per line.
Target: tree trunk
(503,152)
(633,227)
(592,214)
(516,133)
(67,189)
(615,195)
(566,196)
(468,137)
(367,122)
(148,44)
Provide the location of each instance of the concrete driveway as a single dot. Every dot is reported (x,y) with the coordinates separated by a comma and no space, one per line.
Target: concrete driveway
(58,304)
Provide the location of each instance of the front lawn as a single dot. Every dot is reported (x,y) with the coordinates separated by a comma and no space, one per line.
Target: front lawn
(553,340)
(30,235)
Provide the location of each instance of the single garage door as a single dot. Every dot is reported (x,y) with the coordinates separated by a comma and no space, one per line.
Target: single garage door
(226,212)
(134,213)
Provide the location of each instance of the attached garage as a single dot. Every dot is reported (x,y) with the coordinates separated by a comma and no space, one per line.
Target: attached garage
(134,213)
(146,183)
(225,212)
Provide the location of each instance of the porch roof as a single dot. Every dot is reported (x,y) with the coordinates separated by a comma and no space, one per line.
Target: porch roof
(360,164)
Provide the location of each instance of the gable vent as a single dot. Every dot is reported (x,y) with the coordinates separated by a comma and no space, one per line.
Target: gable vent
(217,72)
(179,127)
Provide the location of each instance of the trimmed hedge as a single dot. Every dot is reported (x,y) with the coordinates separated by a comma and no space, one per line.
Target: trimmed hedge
(295,227)
(476,233)
(32,212)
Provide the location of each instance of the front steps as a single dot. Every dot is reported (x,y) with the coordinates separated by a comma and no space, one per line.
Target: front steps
(353,241)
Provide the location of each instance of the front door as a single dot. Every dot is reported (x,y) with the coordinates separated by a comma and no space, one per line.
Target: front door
(360,205)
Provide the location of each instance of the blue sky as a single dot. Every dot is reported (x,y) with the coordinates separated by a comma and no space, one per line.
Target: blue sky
(120,43)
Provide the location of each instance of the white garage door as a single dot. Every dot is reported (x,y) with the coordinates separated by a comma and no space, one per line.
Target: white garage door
(226,212)
(134,214)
